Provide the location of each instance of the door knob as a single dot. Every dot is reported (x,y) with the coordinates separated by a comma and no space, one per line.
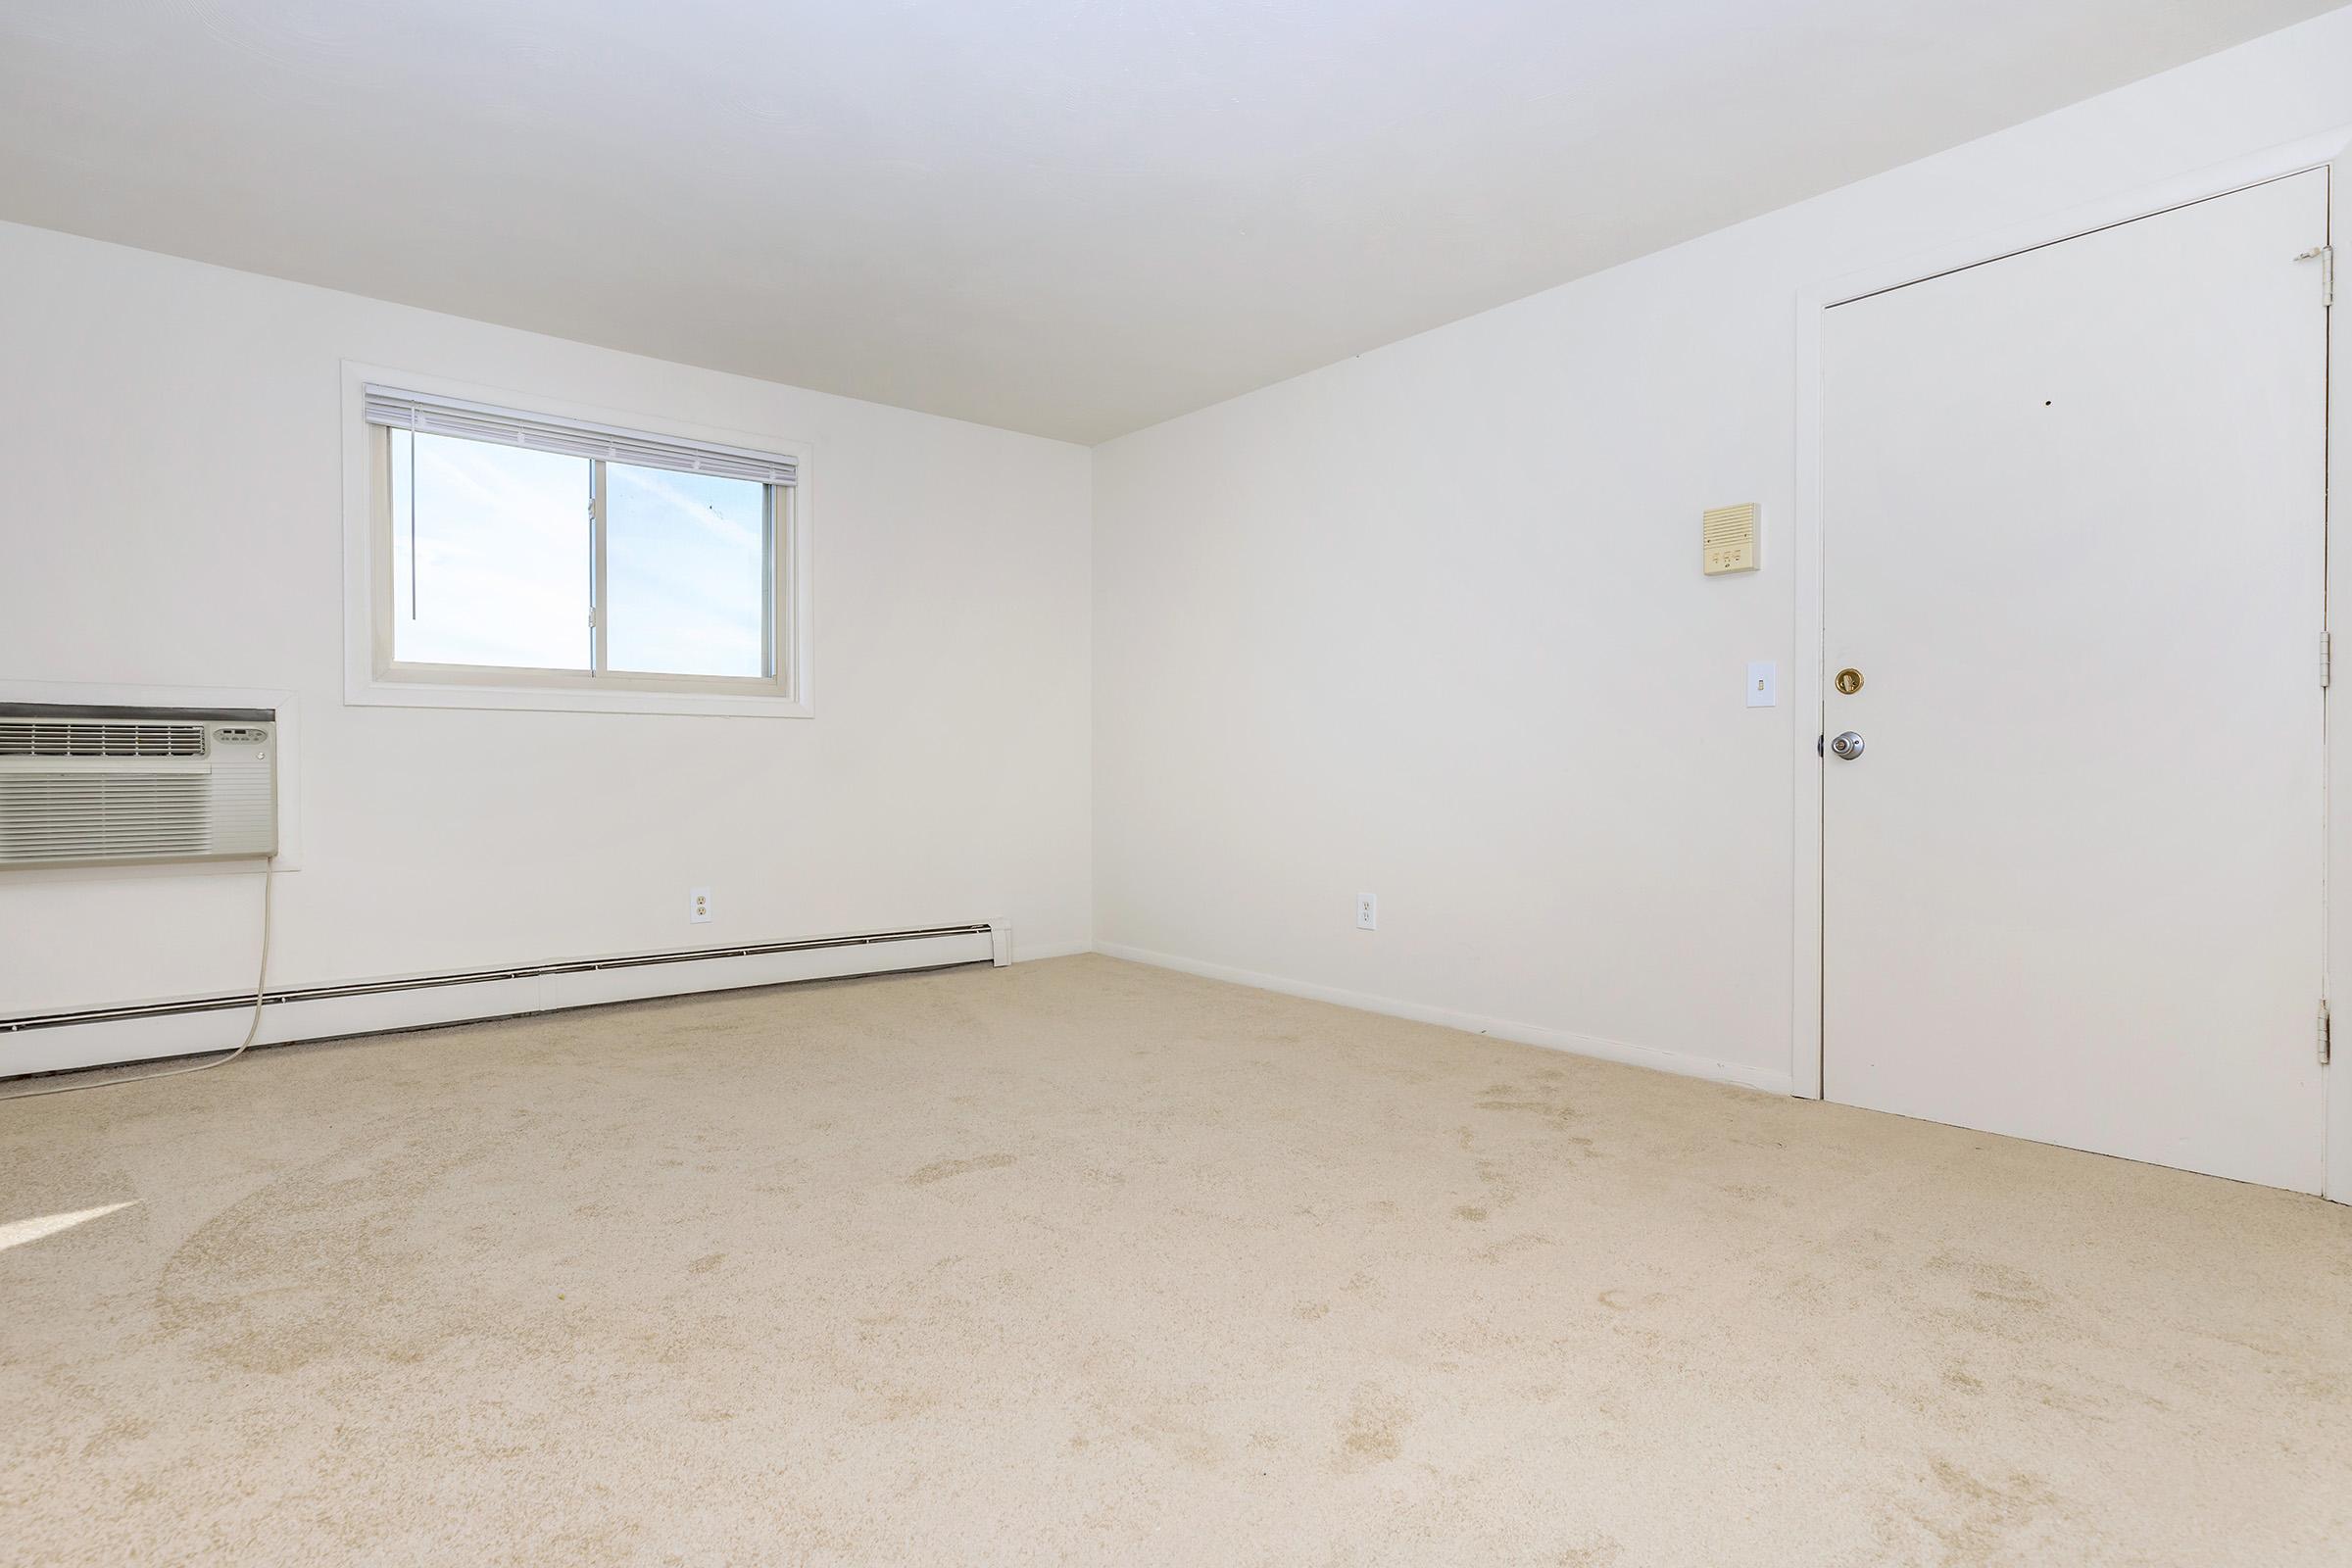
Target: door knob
(1847,745)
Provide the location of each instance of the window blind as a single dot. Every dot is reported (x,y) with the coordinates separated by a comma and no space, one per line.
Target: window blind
(475,421)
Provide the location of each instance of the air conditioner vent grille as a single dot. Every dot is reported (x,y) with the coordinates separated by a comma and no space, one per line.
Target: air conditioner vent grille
(104,816)
(30,737)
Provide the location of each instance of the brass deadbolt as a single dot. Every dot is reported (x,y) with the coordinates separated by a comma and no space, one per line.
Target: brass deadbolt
(1849,680)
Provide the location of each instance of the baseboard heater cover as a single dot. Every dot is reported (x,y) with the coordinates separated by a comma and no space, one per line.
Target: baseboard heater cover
(62,1042)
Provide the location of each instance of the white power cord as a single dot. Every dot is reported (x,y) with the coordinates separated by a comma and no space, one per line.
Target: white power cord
(253,1030)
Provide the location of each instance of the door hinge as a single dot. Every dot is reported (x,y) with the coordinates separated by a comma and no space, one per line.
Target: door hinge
(2326,1034)
(2325,254)
(2327,656)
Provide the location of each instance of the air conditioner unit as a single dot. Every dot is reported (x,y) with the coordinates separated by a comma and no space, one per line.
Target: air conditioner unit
(109,785)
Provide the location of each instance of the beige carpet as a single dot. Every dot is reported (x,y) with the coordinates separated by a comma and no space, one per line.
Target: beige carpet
(1086,1262)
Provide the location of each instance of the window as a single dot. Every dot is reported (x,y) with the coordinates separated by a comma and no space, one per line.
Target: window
(518,551)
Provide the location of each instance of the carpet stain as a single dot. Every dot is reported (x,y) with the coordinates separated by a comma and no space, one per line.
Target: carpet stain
(1496,1175)
(1374,1431)
(939,1170)
(117,1431)
(1991,1516)
(1525,1241)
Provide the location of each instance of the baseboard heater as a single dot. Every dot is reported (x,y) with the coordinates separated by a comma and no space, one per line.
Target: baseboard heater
(92,1037)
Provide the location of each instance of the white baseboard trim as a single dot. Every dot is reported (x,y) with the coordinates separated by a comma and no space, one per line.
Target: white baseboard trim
(1027,952)
(1771,1080)
(69,1047)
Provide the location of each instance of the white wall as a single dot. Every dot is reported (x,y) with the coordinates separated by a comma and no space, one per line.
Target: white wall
(1430,622)
(1427,622)
(172,513)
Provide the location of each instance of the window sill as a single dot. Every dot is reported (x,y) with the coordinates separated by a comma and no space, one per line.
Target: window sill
(382,693)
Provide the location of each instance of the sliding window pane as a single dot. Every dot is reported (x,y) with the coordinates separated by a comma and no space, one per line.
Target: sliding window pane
(686,574)
(490,555)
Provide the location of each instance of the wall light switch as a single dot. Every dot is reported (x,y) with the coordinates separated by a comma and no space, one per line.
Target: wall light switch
(1763,683)
(698,906)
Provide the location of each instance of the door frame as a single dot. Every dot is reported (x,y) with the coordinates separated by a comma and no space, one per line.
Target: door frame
(2331,151)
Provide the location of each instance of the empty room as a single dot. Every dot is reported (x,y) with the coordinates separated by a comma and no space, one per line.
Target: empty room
(1201,783)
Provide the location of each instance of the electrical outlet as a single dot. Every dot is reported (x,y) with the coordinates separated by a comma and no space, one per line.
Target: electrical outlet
(1367,913)
(698,906)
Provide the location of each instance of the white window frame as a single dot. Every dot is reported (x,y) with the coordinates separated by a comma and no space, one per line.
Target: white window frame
(373,676)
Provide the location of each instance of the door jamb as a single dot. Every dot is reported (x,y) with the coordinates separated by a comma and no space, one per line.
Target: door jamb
(2331,149)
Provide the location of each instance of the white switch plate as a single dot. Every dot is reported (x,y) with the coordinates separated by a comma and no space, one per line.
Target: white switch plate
(1763,683)
(698,906)
(1367,913)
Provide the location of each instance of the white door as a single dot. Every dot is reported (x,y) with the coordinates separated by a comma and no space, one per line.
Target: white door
(2074,540)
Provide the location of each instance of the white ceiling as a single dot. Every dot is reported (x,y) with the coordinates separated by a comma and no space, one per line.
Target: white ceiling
(1068,217)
